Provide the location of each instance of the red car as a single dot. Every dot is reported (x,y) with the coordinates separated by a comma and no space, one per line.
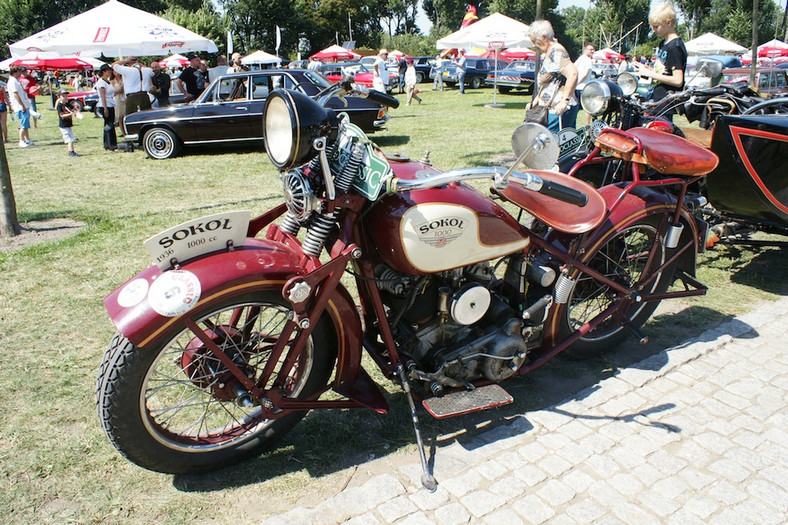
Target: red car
(80,96)
(362,75)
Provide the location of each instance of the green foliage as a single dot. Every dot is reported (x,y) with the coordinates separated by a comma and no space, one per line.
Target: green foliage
(413,45)
(445,13)
(205,21)
(732,19)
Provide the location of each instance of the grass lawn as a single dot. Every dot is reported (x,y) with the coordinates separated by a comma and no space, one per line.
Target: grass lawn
(56,466)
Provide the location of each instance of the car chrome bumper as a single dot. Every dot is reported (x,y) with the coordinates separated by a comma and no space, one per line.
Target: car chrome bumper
(131,138)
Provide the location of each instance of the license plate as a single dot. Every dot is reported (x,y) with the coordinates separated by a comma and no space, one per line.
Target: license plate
(198,237)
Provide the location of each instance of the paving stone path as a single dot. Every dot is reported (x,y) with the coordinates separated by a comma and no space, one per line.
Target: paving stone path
(695,434)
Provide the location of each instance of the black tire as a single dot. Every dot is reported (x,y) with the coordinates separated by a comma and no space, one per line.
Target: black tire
(505,90)
(77,105)
(99,112)
(419,77)
(161,143)
(622,257)
(171,407)
(476,83)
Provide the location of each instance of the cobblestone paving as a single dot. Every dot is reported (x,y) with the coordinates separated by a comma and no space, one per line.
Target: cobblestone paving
(694,434)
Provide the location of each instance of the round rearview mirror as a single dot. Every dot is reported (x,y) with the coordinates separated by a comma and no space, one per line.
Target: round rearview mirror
(535,146)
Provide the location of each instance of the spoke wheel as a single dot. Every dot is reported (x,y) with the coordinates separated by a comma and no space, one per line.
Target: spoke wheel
(174,407)
(628,257)
(160,144)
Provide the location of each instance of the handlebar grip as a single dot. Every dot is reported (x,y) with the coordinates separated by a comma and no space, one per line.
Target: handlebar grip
(563,193)
(712,92)
(382,98)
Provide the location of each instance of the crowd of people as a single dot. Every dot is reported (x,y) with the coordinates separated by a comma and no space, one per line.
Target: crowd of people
(128,85)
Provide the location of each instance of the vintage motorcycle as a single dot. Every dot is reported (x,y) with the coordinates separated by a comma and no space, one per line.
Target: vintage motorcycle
(229,338)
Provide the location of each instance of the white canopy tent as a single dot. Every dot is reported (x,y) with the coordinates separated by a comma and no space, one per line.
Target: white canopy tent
(260,57)
(496,28)
(711,44)
(114,29)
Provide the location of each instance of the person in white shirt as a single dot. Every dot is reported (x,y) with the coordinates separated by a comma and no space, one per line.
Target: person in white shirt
(583,64)
(220,69)
(106,103)
(380,80)
(20,104)
(623,65)
(136,83)
(437,84)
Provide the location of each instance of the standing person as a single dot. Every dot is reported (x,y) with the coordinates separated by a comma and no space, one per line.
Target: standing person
(120,98)
(136,83)
(557,78)
(220,69)
(410,81)
(187,80)
(402,67)
(437,83)
(30,84)
(667,75)
(202,76)
(106,105)
(160,86)
(236,66)
(313,65)
(623,66)
(460,63)
(3,113)
(21,106)
(66,121)
(583,64)
(380,80)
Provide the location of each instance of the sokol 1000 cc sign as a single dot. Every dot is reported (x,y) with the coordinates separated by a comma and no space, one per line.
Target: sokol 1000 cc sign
(197,237)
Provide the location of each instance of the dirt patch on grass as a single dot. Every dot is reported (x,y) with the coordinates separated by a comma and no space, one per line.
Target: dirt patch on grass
(41,231)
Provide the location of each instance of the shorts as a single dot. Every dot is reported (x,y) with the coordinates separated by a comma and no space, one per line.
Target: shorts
(24,118)
(68,135)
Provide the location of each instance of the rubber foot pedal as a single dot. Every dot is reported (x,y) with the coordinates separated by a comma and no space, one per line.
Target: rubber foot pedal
(467,401)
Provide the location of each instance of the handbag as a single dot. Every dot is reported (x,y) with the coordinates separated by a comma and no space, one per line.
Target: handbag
(540,114)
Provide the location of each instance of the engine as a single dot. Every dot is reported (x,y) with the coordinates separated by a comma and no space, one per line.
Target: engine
(456,326)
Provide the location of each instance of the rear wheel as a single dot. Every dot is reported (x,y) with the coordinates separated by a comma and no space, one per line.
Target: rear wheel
(419,78)
(174,407)
(476,83)
(628,257)
(505,90)
(160,143)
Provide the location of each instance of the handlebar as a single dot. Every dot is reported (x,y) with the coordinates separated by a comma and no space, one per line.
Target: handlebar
(346,86)
(376,96)
(527,180)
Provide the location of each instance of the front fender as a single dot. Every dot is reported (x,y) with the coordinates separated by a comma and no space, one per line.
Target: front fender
(261,264)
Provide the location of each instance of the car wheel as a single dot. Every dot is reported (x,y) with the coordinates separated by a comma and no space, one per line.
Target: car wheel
(99,112)
(419,78)
(77,105)
(160,144)
(476,83)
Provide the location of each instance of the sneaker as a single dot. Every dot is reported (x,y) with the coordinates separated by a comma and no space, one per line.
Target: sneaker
(23,144)
(73,154)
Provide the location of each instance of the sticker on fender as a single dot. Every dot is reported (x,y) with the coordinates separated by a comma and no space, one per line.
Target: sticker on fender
(174,293)
(197,237)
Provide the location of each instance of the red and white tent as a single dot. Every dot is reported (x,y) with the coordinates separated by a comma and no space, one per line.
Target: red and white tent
(607,54)
(335,53)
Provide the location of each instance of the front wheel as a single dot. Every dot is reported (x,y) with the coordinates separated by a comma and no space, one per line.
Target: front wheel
(476,83)
(628,257)
(160,143)
(173,407)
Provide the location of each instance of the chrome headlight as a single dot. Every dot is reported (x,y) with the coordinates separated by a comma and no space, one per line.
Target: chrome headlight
(628,83)
(291,123)
(600,96)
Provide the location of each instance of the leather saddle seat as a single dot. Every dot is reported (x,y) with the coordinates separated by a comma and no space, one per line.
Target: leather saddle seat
(665,152)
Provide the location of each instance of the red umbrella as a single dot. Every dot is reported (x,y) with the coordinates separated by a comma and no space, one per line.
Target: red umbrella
(772,51)
(52,62)
(335,53)
(517,54)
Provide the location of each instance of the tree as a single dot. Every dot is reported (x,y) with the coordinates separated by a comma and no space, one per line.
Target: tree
(205,21)
(694,11)
(732,19)
(9,223)
(446,13)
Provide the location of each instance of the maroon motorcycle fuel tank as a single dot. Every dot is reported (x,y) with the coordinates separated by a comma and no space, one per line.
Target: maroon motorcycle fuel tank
(437,229)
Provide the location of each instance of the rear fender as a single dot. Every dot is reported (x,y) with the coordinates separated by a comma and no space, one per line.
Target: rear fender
(261,264)
(643,202)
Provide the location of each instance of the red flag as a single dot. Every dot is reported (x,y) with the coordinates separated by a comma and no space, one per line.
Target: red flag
(470,16)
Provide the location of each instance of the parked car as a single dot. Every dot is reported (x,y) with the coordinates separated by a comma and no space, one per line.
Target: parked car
(423,65)
(85,99)
(517,75)
(362,75)
(476,71)
(603,70)
(230,111)
(769,82)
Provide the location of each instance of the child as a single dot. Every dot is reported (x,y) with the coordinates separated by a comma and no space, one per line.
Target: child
(66,121)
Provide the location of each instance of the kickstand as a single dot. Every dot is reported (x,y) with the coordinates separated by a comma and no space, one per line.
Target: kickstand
(427,479)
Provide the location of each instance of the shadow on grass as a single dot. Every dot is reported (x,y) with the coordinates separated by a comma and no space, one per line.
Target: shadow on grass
(388,141)
(331,441)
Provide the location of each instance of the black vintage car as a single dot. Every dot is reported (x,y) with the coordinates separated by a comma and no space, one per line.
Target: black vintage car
(230,111)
